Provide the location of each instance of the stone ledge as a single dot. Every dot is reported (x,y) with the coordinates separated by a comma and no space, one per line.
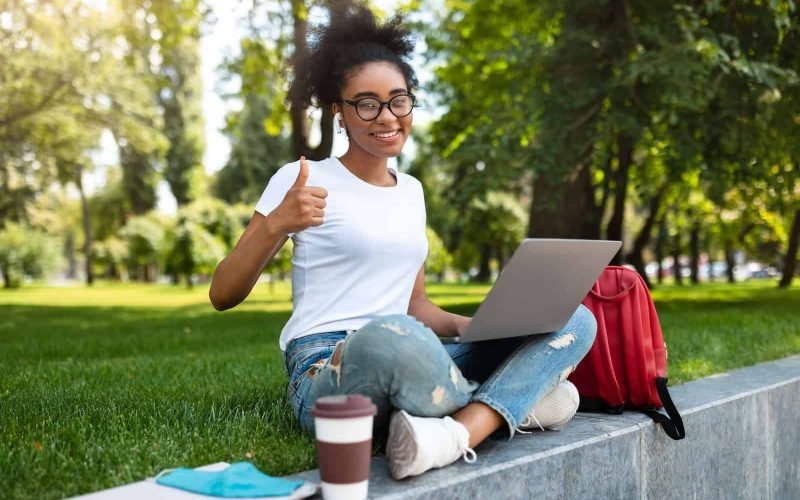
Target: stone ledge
(743,440)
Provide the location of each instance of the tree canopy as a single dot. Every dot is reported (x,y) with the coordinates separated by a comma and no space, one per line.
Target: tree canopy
(669,126)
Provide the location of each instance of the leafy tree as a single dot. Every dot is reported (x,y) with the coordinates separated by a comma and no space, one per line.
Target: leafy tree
(179,95)
(108,206)
(591,94)
(164,38)
(494,226)
(255,154)
(301,146)
(285,23)
(62,85)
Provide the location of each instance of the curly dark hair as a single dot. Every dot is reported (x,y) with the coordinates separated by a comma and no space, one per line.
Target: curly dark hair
(348,42)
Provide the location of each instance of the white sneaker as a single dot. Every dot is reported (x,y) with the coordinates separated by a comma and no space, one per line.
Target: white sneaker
(554,410)
(418,444)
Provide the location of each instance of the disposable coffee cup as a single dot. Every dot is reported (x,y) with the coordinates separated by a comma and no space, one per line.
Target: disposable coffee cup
(343,425)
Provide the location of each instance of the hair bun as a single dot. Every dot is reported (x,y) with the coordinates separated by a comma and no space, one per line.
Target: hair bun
(352,38)
(359,26)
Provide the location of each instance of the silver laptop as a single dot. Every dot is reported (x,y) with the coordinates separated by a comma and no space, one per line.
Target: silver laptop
(539,288)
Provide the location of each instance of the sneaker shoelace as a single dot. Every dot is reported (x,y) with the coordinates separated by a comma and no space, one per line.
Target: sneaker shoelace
(526,422)
(462,442)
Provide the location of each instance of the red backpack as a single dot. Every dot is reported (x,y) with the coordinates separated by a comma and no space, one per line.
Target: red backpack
(626,368)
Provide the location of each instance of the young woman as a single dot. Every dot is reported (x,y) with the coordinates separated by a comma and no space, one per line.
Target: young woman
(361,321)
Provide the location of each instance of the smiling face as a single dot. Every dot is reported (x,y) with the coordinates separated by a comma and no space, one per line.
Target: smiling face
(385,136)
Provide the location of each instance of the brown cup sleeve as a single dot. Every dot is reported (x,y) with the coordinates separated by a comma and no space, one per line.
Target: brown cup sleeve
(344,463)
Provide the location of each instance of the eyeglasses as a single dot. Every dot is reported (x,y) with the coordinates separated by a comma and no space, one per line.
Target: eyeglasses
(369,108)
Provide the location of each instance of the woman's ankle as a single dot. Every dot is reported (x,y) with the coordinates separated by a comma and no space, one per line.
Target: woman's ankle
(480,420)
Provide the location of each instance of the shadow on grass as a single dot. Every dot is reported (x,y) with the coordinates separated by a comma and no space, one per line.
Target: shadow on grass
(39,333)
(31,334)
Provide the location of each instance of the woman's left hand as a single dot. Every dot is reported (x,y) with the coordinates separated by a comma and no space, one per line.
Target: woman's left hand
(462,323)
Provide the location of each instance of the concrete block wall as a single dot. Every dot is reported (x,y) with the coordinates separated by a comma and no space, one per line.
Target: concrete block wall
(743,441)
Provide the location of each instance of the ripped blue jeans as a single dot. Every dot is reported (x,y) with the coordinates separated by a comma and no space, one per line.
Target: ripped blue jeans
(400,363)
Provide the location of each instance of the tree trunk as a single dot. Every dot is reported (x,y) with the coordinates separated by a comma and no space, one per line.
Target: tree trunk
(148,275)
(606,185)
(501,258)
(694,253)
(484,272)
(298,111)
(591,225)
(138,179)
(661,242)
(557,212)
(87,227)
(624,158)
(546,219)
(676,259)
(69,253)
(635,257)
(790,261)
(460,203)
(711,278)
(729,261)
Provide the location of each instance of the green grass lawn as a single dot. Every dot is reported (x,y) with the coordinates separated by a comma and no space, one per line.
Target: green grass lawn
(109,385)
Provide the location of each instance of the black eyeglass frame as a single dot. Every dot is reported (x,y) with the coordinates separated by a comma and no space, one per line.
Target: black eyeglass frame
(382,104)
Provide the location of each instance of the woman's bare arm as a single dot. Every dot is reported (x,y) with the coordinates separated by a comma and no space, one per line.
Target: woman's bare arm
(236,275)
(443,323)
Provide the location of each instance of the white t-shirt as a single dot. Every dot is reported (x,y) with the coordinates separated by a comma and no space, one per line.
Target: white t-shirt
(362,261)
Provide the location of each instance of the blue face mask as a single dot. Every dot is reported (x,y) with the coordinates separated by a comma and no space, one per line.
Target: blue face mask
(239,480)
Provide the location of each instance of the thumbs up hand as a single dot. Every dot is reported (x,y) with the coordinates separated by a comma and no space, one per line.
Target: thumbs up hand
(302,206)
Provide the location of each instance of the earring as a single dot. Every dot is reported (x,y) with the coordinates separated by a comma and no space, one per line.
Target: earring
(337,119)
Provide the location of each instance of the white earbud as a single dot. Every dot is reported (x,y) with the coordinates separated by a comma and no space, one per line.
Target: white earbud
(337,118)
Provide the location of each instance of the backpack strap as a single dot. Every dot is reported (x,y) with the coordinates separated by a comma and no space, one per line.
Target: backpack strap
(599,406)
(673,423)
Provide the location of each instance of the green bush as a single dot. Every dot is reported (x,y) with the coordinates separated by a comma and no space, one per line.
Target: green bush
(190,249)
(110,256)
(144,236)
(439,259)
(26,252)
(496,220)
(216,217)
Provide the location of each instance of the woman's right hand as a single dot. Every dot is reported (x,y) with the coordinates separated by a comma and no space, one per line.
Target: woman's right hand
(302,206)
